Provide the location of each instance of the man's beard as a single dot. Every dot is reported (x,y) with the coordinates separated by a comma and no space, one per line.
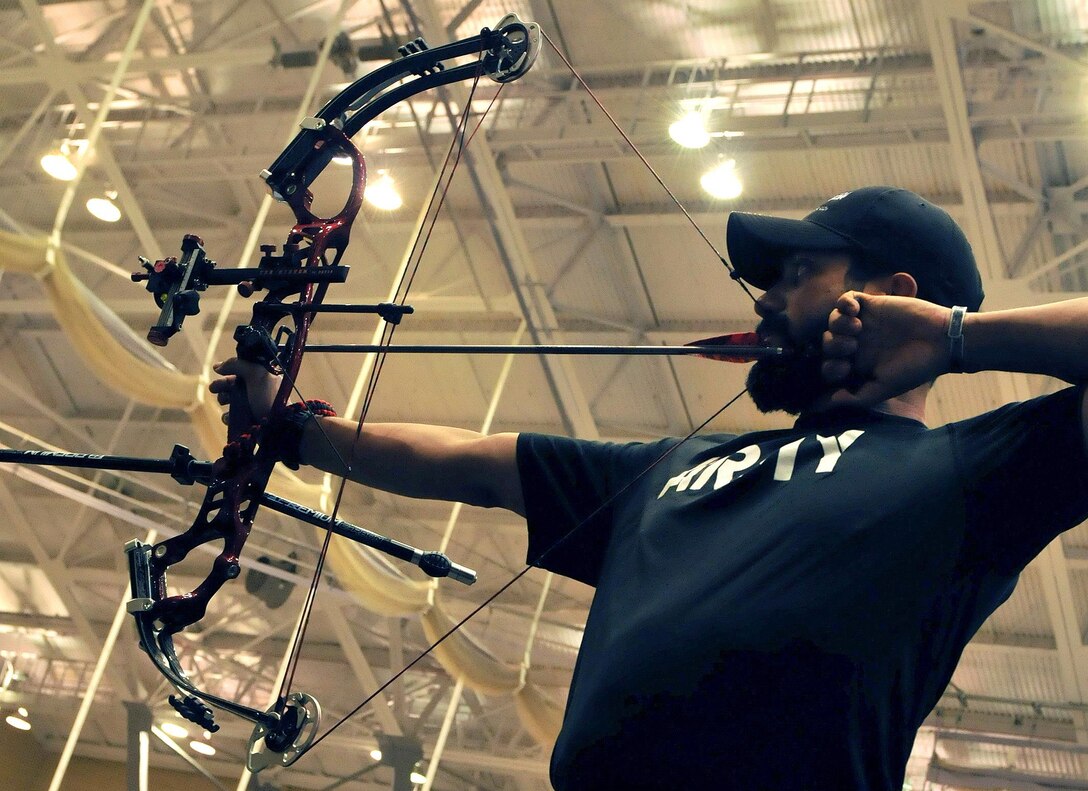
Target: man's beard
(791,385)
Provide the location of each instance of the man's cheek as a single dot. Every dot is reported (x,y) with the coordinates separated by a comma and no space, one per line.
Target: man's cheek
(810,333)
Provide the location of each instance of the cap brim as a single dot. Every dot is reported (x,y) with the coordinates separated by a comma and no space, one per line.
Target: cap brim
(756,244)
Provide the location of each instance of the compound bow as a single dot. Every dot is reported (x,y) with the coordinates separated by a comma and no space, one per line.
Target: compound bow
(295,281)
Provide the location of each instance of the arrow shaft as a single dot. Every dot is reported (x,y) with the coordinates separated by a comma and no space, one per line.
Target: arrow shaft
(572,349)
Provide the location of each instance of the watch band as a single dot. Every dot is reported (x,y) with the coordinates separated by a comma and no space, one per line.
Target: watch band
(955,339)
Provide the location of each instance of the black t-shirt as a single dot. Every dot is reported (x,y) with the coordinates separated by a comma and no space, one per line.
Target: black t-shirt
(781,610)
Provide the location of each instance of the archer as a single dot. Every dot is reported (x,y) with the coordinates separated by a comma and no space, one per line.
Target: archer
(787,606)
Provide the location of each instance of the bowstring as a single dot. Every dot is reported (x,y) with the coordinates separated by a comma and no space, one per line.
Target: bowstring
(642,157)
(430,649)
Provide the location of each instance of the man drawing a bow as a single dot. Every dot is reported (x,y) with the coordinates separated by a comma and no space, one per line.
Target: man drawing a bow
(782,609)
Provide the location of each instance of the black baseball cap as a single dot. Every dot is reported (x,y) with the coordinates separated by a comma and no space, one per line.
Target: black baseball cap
(892,229)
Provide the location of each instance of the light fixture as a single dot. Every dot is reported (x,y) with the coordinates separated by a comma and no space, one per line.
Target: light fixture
(690,131)
(23,712)
(104,208)
(722,181)
(342,159)
(417,778)
(17,722)
(173,729)
(58,165)
(382,193)
(203,749)
(376,755)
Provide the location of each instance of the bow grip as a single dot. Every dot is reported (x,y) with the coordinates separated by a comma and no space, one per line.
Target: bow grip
(240,417)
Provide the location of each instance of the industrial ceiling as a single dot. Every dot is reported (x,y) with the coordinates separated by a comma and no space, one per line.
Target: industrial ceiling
(552,231)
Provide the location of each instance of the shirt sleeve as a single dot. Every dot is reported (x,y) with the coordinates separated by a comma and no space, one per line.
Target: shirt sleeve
(1025,478)
(571,488)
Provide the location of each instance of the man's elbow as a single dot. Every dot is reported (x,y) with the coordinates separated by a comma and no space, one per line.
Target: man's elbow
(493,470)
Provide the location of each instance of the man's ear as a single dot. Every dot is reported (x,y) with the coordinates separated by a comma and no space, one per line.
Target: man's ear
(901,284)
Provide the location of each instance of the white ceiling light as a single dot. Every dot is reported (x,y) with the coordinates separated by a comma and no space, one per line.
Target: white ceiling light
(58,164)
(382,193)
(417,778)
(61,162)
(376,755)
(203,749)
(17,722)
(690,131)
(104,208)
(175,730)
(722,181)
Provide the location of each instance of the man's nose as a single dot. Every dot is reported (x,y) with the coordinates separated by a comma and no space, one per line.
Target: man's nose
(769,303)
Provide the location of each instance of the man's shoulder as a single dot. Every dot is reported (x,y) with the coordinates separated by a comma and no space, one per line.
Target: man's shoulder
(1063,404)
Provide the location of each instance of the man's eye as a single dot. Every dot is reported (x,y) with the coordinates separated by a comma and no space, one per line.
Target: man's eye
(798,272)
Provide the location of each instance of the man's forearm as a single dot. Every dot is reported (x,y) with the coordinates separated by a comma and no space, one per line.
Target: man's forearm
(433,462)
(1046,339)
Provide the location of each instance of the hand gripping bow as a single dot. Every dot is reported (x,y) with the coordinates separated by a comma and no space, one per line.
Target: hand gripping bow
(294,281)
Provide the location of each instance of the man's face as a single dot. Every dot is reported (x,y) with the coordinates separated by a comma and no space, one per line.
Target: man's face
(794,313)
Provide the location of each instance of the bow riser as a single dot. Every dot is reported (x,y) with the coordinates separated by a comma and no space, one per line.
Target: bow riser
(295,278)
(332,233)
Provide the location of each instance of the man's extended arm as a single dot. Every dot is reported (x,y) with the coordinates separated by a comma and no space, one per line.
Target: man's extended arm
(1045,339)
(433,462)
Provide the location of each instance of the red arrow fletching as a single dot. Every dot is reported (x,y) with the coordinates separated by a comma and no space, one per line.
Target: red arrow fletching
(747,339)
